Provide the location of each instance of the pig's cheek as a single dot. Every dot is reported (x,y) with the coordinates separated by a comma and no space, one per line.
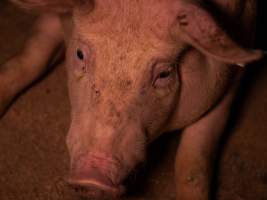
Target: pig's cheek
(166,92)
(78,68)
(72,143)
(161,109)
(69,143)
(79,74)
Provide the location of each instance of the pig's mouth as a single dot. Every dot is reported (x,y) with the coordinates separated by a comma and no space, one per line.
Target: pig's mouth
(96,190)
(97,177)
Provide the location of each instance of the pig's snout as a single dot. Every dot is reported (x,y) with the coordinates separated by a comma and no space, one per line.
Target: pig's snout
(96,177)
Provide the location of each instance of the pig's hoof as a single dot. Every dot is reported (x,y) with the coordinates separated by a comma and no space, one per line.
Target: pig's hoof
(95,190)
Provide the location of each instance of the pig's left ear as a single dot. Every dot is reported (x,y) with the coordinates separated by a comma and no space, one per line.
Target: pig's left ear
(57,6)
(198,28)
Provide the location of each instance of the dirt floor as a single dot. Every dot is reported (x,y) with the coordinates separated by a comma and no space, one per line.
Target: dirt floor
(33,154)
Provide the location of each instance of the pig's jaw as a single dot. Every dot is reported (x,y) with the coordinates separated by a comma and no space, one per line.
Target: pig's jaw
(97,176)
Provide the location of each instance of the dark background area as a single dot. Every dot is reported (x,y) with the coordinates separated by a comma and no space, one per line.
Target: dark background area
(262,25)
(33,155)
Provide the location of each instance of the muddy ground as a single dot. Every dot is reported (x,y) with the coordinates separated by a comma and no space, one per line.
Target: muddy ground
(33,154)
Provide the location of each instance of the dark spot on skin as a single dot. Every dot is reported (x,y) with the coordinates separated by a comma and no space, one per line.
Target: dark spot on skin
(80,54)
(114,116)
(113,111)
(182,18)
(143,90)
(83,69)
(122,57)
(128,82)
(223,42)
(217,38)
(124,84)
(185,23)
(97,92)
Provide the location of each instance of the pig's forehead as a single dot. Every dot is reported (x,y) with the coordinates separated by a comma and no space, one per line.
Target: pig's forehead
(128,18)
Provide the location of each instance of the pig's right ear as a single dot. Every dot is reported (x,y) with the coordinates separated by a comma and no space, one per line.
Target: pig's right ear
(199,28)
(56,6)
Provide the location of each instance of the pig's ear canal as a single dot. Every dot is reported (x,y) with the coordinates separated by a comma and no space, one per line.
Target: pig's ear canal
(198,28)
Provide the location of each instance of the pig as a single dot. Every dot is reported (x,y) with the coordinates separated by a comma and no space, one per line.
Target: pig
(137,69)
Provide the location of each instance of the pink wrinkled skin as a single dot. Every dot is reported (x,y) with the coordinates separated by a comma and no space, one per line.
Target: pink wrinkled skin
(137,69)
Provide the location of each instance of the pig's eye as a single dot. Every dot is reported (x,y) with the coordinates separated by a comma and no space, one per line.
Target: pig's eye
(164,75)
(80,54)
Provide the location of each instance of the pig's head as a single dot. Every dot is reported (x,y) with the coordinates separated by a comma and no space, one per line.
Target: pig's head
(124,59)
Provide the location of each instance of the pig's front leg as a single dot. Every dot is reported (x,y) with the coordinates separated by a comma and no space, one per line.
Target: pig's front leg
(39,51)
(195,155)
